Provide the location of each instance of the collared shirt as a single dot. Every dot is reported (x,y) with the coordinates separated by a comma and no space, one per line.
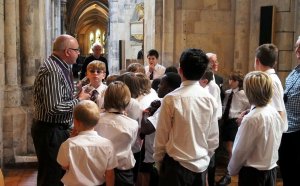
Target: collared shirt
(257,141)
(134,112)
(158,72)
(239,102)
(81,153)
(101,90)
(122,131)
(215,91)
(187,128)
(292,105)
(277,98)
(53,94)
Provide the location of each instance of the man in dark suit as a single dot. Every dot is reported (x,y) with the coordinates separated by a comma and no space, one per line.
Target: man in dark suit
(214,65)
(97,55)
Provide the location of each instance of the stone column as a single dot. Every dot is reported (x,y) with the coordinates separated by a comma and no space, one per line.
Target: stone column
(241,40)
(62,15)
(2,77)
(168,33)
(27,42)
(11,70)
(113,38)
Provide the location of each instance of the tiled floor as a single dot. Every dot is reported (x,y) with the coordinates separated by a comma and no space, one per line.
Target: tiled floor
(27,177)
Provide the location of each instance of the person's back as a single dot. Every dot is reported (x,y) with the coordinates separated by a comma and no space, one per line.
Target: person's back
(187,131)
(265,58)
(120,129)
(260,133)
(88,158)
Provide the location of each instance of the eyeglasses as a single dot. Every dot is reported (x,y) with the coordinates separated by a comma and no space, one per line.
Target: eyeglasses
(75,49)
(98,71)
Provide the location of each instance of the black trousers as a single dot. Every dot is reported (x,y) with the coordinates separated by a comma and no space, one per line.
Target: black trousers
(250,176)
(47,139)
(172,173)
(124,177)
(211,171)
(289,157)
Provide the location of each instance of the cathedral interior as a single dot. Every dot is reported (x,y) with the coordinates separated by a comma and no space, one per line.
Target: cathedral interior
(230,28)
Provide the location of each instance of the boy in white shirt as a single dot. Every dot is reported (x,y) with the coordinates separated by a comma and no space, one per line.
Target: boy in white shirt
(235,103)
(187,133)
(120,129)
(154,70)
(88,158)
(96,72)
(255,149)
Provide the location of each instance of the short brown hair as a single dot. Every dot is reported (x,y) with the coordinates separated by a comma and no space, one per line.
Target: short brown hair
(136,67)
(130,79)
(258,87)
(237,76)
(96,65)
(87,112)
(145,83)
(117,96)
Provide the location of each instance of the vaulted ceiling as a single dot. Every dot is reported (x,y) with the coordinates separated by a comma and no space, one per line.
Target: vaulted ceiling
(83,14)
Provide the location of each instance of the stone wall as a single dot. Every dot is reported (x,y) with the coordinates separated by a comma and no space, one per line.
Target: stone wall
(1,76)
(25,40)
(121,12)
(229,28)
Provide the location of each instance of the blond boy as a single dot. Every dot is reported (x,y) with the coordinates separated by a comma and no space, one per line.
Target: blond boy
(88,158)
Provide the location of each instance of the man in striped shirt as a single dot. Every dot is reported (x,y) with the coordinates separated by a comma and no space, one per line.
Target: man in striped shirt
(54,103)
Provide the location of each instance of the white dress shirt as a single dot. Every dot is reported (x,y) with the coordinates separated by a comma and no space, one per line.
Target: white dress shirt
(81,153)
(187,128)
(257,141)
(278,92)
(158,72)
(239,102)
(215,91)
(134,111)
(101,90)
(122,131)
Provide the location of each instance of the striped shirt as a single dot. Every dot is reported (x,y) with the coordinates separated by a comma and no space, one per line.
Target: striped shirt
(292,104)
(53,92)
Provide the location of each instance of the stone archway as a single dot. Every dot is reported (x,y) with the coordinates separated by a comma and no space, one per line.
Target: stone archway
(85,16)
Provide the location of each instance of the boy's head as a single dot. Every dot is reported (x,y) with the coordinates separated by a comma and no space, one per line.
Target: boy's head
(169,82)
(130,79)
(144,82)
(152,57)
(258,88)
(96,70)
(136,67)
(171,69)
(206,78)
(110,78)
(193,64)
(236,80)
(117,96)
(87,112)
(266,55)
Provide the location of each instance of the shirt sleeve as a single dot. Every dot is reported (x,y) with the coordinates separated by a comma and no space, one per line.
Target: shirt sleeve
(213,135)
(244,141)
(63,155)
(162,130)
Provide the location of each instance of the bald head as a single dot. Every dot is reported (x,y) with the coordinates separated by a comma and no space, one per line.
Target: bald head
(66,48)
(63,42)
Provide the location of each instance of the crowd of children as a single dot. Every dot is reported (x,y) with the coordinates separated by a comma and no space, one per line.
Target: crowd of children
(131,134)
